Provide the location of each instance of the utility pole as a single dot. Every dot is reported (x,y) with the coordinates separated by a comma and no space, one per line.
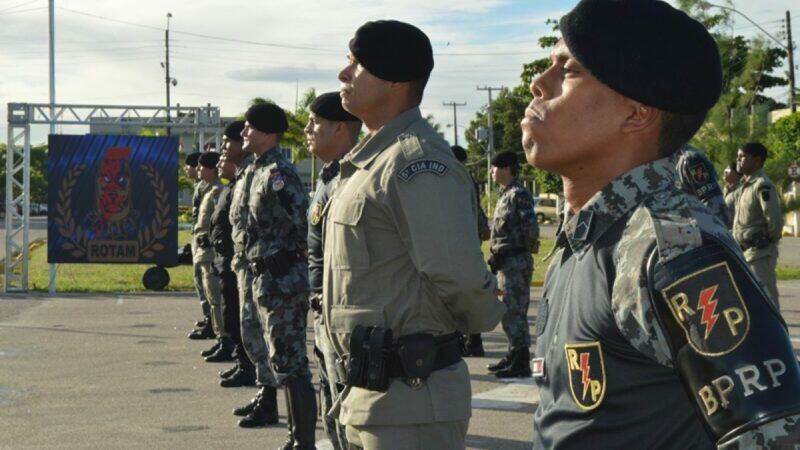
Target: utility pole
(490,149)
(790,50)
(455,118)
(52,284)
(166,66)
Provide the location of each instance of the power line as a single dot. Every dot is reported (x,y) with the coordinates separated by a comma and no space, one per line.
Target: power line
(18,5)
(22,11)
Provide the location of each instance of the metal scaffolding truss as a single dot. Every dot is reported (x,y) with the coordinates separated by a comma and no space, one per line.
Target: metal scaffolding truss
(204,121)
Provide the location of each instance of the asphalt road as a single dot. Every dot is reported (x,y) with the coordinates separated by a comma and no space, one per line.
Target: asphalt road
(117,371)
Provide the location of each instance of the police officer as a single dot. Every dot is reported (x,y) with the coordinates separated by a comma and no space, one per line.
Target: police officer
(204,256)
(515,234)
(263,408)
(697,176)
(331,132)
(244,372)
(473,344)
(652,332)
(276,253)
(203,328)
(403,269)
(732,179)
(759,217)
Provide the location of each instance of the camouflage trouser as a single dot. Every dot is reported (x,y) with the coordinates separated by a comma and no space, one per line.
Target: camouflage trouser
(765,268)
(213,289)
(252,331)
(198,287)
(514,278)
(327,384)
(284,320)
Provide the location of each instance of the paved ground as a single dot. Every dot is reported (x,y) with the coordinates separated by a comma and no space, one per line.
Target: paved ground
(118,372)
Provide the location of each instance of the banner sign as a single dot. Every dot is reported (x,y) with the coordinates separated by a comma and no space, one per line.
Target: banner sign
(112,199)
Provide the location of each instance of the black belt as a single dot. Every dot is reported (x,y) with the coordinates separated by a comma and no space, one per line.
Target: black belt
(448,352)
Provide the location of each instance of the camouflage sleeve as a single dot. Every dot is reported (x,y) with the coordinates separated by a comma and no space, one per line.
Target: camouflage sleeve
(284,204)
(776,435)
(771,206)
(527,219)
(483,223)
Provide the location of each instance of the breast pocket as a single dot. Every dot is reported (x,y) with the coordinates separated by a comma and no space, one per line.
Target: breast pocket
(350,250)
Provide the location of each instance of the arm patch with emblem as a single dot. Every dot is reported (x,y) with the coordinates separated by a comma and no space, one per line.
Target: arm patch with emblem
(415,168)
(729,346)
(764,193)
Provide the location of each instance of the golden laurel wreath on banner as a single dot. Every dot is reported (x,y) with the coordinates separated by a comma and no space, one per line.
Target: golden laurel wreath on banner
(147,237)
(159,227)
(66,224)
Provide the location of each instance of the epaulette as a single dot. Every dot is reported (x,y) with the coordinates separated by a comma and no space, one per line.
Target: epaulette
(411,146)
(674,224)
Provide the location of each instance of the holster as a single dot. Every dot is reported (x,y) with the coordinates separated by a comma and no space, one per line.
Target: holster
(203,242)
(278,264)
(223,247)
(366,367)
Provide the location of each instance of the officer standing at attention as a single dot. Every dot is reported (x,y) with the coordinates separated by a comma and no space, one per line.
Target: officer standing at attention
(515,235)
(732,179)
(403,269)
(263,408)
(653,332)
(244,372)
(473,344)
(204,257)
(759,218)
(331,132)
(204,329)
(276,252)
(697,176)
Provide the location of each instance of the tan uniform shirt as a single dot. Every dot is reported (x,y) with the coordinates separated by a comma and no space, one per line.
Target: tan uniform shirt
(402,251)
(758,215)
(203,226)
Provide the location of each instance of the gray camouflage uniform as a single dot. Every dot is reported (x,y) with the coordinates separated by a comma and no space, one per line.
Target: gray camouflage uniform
(515,232)
(251,329)
(277,227)
(204,254)
(605,361)
(200,189)
(697,176)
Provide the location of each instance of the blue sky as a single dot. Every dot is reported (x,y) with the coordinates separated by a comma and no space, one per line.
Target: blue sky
(476,42)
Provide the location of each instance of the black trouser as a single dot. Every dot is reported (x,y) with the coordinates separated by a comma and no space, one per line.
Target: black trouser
(230,305)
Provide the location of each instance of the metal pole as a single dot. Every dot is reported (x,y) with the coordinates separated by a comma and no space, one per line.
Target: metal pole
(455,118)
(166,66)
(52,284)
(790,50)
(490,150)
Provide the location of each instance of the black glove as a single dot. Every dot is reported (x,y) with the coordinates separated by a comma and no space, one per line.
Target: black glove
(203,242)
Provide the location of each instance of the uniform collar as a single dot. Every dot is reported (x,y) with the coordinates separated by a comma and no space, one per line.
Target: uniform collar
(369,148)
(584,227)
(514,183)
(270,156)
(754,176)
(248,159)
(329,171)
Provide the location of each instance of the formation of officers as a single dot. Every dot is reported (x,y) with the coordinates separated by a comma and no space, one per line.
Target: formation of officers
(658,328)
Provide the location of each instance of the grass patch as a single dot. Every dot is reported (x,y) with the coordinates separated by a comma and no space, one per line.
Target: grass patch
(103,277)
(788,273)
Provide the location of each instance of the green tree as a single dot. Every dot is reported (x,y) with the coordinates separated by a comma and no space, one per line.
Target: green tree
(783,142)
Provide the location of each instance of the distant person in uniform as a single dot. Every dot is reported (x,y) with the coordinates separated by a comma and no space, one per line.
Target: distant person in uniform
(515,235)
(652,332)
(473,344)
(203,328)
(732,179)
(759,217)
(697,176)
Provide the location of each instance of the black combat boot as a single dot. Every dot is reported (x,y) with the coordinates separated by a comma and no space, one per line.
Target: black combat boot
(242,377)
(201,323)
(303,410)
(289,444)
(204,332)
(500,365)
(475,345)
(224,353)
(265,411)
(212,350)
(229,372)
(520,366)
(245,410)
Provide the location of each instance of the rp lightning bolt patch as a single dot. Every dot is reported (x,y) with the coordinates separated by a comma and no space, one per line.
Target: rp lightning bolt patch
(587,374)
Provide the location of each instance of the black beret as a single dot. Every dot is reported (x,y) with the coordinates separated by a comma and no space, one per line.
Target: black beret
(393,51)
(505,159)
(459,153)
(209,159)
(647,51)
(191,159)
(234,130)
(267,118)
(329,106)
(755,149)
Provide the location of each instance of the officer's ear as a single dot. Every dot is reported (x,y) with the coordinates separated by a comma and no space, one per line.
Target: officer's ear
(640,117)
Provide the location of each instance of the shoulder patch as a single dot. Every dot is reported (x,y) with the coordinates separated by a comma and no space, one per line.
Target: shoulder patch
(276,180)
(316,213)
(411,146)
(414,168)
(764,193)
(710,309)
(700,173)
(587,374)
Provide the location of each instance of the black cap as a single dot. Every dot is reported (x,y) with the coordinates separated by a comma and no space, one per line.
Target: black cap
(329,106)
(459,153)
(505,159)
(647,51)
(267,118)
(234,130)
(191,159)
(393,51)
(209,159)
(756,149)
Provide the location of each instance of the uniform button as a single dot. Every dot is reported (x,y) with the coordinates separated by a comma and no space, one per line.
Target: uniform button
(419,363)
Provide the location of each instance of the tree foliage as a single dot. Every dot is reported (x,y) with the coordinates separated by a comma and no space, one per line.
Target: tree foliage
(783,142)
